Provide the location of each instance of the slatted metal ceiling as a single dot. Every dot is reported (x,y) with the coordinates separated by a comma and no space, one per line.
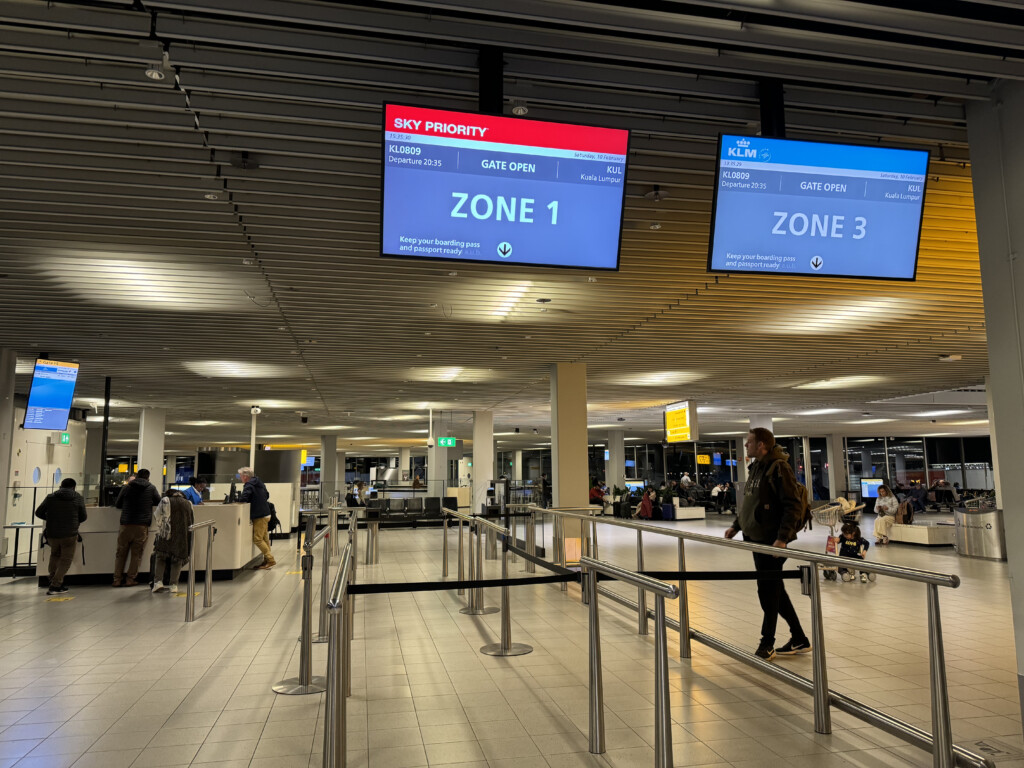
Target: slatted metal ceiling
(113,253)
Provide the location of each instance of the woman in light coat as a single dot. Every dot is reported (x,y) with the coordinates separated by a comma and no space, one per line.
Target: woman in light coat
(885,507)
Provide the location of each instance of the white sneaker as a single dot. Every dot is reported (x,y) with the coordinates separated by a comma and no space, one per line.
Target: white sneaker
(158,586)
(174,589)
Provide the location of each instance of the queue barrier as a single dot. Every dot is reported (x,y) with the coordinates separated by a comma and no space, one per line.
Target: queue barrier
(939,742)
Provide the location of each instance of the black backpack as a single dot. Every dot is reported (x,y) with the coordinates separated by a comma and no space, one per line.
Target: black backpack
(274,523)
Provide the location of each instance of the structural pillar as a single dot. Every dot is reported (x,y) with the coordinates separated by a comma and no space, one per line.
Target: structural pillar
(93,455)
(615,469)
(483,456)
(151,443)
(437,463)
(8,364)
(517,466)
(328,467)
(995,445)
(834,466)
(761,420)
(339,461)
(569,446)
(805,449)
(997,171)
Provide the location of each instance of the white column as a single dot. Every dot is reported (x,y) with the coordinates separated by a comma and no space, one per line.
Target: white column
(93,453)
(615,469)
(8,364)
(761,420)
(805,448)
(997,168)
(569,435)
(151,443)
(437,463)
(836,464)
(328,467)
(995,444)
(517,466)
(339,462)
(483,456)
(741,460)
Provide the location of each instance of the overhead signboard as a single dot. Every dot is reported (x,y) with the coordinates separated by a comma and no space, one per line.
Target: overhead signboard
(471,187)
(809,208)
(681,422)
(51,394)
(446,442)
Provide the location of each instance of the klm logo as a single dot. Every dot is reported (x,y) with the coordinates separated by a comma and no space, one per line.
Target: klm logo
(741,152)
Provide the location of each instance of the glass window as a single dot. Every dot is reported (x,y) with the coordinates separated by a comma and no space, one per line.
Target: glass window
(866,458)
(945,460)
(978,474)
(906,460)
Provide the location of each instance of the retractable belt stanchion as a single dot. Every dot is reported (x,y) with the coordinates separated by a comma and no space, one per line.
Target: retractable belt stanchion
(444,546)
(325,582)
(531,541)
(338,669)
(462,560)
(476,605)
(305,682)
(641,592)
(506,647)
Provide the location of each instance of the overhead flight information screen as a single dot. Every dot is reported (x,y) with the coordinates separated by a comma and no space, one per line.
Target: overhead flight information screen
(805,208)
(49,399)
(466,186)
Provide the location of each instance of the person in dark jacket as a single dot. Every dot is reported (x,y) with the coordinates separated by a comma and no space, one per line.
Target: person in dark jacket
(771,514)
(136,501)
(256,496)
(63,511)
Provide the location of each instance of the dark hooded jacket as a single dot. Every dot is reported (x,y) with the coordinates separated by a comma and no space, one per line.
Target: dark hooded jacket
(136,501)
(772,509)
(63,510)
(256,495)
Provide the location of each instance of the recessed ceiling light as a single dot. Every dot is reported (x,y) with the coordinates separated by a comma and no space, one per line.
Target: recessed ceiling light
(841,382)
(936,414)
(212,196)
(154,72)
(200,423)
(871,421)
(519,108)
(655,225)
(819,412)
(240,369)
(453,274)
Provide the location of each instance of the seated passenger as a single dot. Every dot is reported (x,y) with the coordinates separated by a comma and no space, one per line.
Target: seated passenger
(885,508)
(597,494)
(647,504)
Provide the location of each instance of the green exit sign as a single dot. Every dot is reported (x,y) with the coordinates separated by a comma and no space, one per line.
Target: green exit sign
(446,442)
(65,438)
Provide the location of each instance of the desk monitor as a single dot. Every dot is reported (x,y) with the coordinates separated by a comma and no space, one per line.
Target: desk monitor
(869,487)
(49,399)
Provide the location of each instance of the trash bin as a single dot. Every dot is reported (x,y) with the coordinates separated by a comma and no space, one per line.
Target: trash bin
(979,533)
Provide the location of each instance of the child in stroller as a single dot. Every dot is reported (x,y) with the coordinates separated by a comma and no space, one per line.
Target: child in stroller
(852,544)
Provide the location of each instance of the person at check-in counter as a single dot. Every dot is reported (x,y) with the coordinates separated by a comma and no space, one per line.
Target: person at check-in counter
(62,511)
(255,494)
(136,501)
(194,493)
(173,517)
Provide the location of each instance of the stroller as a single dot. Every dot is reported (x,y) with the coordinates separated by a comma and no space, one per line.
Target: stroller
(836,513)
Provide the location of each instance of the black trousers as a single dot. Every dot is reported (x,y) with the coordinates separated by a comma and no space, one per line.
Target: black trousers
(774,600)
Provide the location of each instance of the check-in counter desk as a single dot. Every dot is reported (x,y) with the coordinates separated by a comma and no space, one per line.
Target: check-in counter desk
(232,548)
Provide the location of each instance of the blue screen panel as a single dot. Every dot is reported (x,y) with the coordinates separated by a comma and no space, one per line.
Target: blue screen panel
(806,208)
(869,488)
(49,400)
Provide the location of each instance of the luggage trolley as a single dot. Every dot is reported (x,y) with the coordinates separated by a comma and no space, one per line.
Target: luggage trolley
(833,514)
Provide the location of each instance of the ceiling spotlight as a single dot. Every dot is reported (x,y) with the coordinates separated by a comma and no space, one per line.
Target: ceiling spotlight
(591,279)
(519,108)
(656,194)
(453,274)
(543,301)
(212,196)
(153,72)
(157,70)
(655,225)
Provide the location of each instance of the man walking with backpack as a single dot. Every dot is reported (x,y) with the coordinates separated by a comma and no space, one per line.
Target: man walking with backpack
(772,512)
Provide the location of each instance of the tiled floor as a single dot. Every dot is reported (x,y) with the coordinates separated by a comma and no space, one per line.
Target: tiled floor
(116,679)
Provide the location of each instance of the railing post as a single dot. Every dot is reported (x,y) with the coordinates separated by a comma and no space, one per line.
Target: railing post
(350,631)
(641,598)
(211,532)
(662,705)
(305,682)
(332,517)
(593,540)
(444,546)
(335,720)
(558,542)
(462,566)
(822,714)
(325,587)
(190,606)
(506,647)
(596,675)
(531,541)
(942,732)
(684,608)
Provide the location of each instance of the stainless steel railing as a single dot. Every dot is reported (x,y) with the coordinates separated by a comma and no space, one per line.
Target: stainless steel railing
(190,595)
(662,704)
(939,742)
(306,683)
(340,606)
(476,596)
